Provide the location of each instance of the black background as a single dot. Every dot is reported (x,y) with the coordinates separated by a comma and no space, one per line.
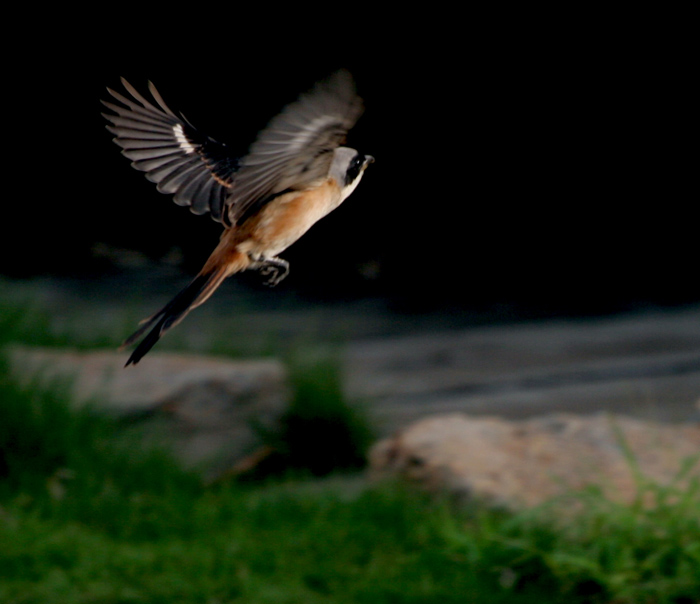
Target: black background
(542,162)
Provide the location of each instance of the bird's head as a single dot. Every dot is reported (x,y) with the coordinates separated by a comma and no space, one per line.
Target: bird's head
(348,167)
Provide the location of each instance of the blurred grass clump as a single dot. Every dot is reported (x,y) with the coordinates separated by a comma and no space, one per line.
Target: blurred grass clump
(88,515)
(319,433)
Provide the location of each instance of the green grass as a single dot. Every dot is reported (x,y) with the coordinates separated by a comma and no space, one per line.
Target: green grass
(319,433)
(89,516)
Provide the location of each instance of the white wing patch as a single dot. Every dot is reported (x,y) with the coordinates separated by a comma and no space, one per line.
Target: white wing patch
(182,140)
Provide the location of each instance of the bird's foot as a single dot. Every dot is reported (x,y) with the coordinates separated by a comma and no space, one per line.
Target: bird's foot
(275,269)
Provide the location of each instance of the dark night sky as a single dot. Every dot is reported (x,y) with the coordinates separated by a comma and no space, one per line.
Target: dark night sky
(517,162)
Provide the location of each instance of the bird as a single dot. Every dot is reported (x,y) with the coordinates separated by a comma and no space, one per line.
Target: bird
(294,173)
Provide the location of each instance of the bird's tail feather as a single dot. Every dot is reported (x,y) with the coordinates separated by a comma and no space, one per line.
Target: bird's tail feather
(197,292)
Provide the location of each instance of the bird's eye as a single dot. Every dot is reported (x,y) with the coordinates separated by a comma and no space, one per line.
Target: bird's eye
(354,168)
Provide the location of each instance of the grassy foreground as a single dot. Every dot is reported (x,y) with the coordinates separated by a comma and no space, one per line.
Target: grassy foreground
(89,517)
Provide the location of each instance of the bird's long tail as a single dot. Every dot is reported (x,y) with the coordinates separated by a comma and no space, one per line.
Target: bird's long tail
(196,293)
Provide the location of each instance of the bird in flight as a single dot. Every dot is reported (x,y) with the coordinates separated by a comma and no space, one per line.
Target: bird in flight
(295,172)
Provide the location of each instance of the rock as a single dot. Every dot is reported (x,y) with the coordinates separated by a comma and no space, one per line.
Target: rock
(523,463)
(645,365)
(206,409)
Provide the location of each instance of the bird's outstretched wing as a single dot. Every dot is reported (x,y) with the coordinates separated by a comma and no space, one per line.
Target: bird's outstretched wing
(296,148)
(196,169)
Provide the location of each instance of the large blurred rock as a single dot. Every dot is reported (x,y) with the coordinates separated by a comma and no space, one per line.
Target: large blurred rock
(516,463)
(645,365)
(208,410)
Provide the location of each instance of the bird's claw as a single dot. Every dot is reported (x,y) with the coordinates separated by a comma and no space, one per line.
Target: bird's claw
(275,269)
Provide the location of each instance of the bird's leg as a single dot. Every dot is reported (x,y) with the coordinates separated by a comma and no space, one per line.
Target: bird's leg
(275,269)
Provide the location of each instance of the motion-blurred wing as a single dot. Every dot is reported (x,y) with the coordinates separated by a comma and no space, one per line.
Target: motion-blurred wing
(296,147)
(196,169)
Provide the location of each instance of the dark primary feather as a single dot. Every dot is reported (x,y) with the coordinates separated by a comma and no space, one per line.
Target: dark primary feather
(194,168)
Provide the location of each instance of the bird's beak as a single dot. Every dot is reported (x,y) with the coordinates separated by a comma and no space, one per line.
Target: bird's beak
(368,160)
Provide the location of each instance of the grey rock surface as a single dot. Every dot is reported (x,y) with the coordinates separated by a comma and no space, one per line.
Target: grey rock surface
(644,365)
